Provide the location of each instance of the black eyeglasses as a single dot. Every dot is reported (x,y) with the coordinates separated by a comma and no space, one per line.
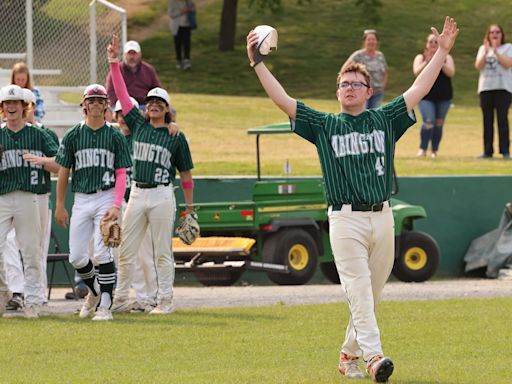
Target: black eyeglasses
(356,85)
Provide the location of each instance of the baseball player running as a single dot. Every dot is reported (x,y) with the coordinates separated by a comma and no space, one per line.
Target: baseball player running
(12,260)
(356,151)
(26,150)
(98,155)
(156,154)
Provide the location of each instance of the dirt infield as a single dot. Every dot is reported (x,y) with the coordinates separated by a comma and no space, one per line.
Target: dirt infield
(251,296)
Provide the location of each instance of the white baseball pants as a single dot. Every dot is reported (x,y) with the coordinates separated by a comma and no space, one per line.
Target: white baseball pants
(21,210)
(88,210)
(155,208)
(12,256)
(363,247)
(144,281)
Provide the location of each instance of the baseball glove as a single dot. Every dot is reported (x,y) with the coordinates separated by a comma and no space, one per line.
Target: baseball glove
(1,152)
(188,228)
(110,232)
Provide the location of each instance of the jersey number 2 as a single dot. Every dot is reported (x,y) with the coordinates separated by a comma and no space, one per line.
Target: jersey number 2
(162,176)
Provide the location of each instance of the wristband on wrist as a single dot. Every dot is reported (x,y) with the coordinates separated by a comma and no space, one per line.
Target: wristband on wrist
(187,184)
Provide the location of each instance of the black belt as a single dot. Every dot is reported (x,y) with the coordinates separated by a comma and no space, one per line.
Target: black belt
(377,207)
(146,185)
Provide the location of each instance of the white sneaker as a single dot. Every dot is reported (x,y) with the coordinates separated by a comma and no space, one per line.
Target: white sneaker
(164,308)
(4,298)
(178,64)
(103,314)
(186,64)
(121,305)
(349,367)
(91,302)
(31,311)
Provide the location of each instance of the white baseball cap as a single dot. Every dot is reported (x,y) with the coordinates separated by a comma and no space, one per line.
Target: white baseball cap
(160,93)
(11,92)
(95,90)
(131,45)
(118,107)
(267,40)
(29,96)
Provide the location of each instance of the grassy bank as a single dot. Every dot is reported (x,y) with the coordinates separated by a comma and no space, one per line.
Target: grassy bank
(315,39)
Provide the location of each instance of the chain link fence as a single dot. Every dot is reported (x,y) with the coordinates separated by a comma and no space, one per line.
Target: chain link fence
(63,41)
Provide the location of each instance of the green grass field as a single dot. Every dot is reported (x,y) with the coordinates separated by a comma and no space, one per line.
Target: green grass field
(450,341)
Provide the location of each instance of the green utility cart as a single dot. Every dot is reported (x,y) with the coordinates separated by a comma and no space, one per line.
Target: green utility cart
(287,218)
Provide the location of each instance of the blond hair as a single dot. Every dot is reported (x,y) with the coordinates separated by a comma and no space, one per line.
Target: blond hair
(21,67)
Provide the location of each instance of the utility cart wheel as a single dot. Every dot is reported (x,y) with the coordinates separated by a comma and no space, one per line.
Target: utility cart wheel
(418,258)
(222,277)
(294,248)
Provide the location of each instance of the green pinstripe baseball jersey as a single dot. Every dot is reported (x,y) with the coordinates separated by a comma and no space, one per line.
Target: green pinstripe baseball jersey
(93,156)
(45,178)
(16,173)
(156,154)
(356,152)
(129,170)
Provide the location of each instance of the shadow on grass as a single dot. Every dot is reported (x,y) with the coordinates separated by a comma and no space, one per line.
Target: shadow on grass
(187,318)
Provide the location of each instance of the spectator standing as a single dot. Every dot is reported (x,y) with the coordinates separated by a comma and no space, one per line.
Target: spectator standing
(179,11)
(494,61)
(20,76)
(139,76)
(435,105)
(375,64)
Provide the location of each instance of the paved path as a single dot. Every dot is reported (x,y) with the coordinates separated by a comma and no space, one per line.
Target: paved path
(250,296)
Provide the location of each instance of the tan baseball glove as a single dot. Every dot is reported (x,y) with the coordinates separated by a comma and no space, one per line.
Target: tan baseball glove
(188,228)
(111,233)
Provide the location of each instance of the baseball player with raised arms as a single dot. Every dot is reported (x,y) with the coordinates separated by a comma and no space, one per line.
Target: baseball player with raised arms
(12,260)
(356,151)
(156,154)
(98,155)
(26,150)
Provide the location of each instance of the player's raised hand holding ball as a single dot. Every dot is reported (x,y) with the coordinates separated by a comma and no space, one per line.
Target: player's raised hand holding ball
(260,42)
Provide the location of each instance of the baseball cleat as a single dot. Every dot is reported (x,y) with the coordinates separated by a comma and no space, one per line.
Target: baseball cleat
(121,305)
(91,302)
(164,308)
(16,302)
(380,368)
(349,367)
(4,298)
(103,314)
(31,311)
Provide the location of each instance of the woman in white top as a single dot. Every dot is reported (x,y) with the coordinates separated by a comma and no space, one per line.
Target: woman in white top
(180,12)
(494,61)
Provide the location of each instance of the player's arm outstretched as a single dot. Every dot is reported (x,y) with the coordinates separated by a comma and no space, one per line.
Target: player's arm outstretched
(428,76)
(117,79)
(273,88)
